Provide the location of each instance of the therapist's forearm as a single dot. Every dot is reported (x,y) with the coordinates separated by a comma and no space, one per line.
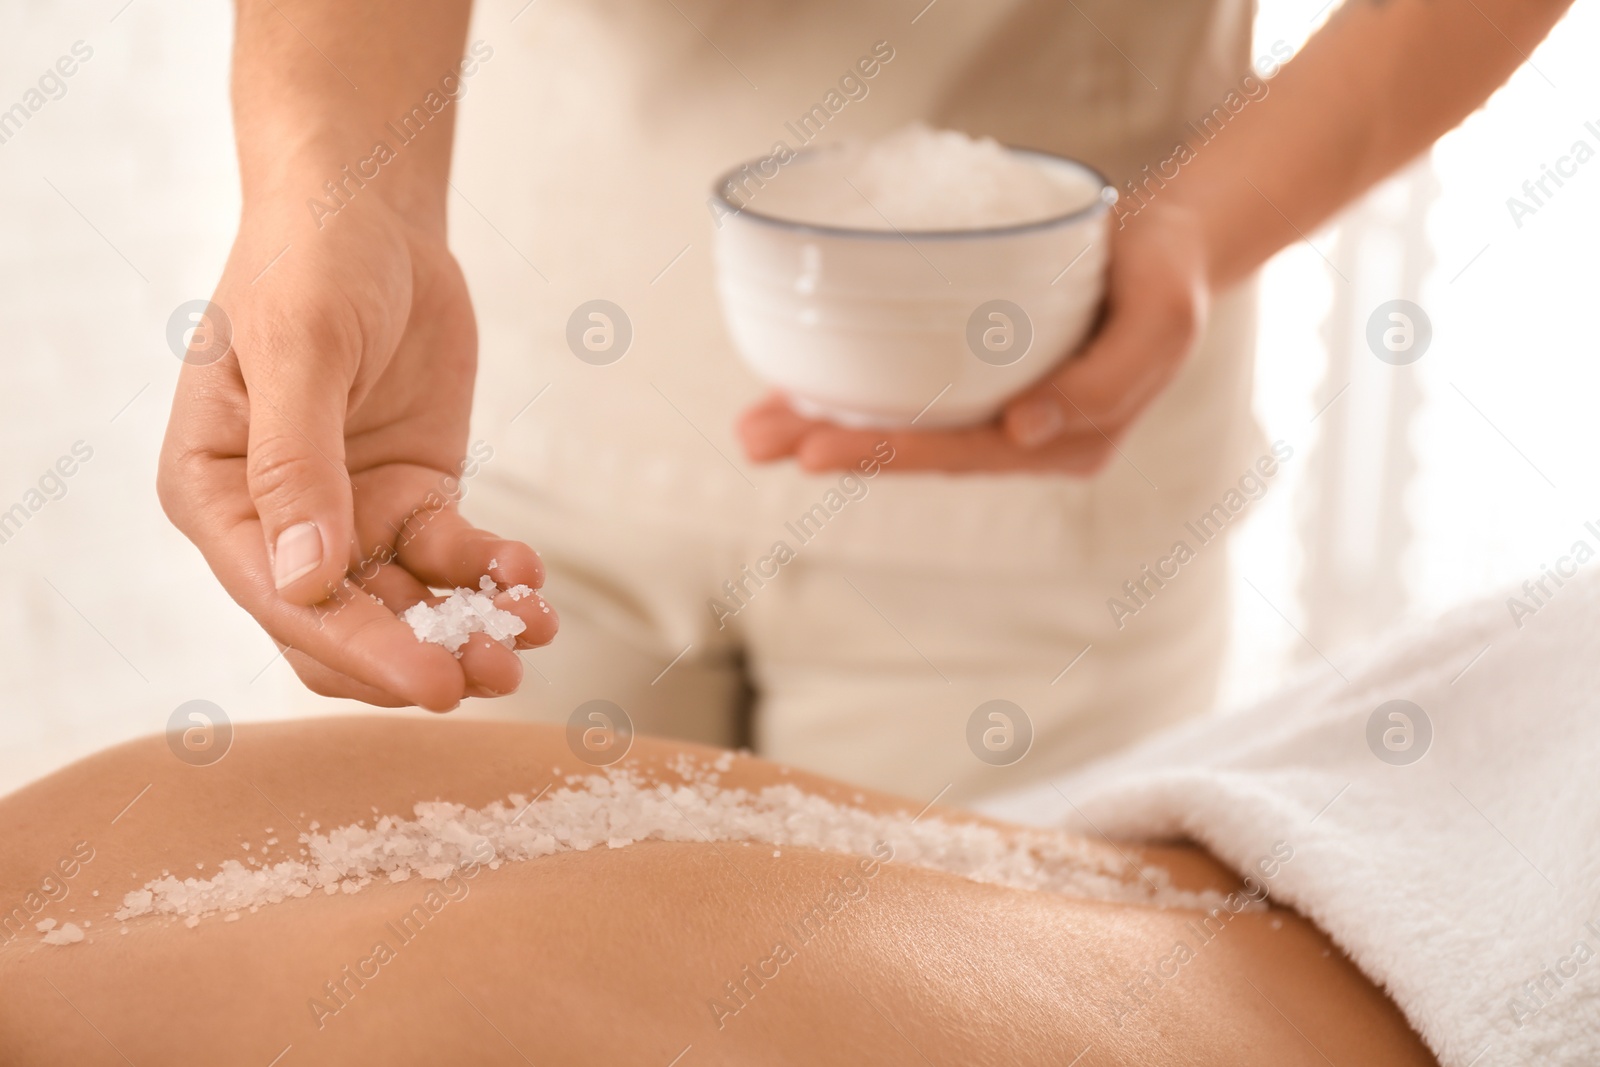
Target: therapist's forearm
(1372,90)
(315,82)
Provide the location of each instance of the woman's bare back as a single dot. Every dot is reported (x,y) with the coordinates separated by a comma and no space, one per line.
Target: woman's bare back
(687,953)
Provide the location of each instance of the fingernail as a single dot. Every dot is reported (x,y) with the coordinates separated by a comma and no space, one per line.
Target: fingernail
(297,553)
(1037,421)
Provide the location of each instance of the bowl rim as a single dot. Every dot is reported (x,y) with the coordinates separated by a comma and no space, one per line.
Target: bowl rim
(1099,205)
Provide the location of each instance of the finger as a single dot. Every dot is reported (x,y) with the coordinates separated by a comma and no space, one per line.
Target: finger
(488,668)
(392,586)
(772,429)
(325,681)
(208,424)
(540,618)
(1116,376)
(397,589)
(352,634)
(444,550)
(491,668)
(296,473)
(510,564)
(356,635)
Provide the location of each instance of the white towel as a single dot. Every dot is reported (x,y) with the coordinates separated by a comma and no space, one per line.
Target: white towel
(1465,883)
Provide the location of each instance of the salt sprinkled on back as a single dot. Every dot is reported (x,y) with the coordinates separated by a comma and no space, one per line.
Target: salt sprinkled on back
(617,809)
(68,934)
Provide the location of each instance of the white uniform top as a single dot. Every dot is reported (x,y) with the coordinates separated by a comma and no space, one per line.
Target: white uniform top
(587,150)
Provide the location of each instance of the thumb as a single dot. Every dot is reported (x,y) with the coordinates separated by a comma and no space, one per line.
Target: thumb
(299,482)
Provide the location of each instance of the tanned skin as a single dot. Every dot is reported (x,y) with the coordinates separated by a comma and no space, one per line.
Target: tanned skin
(614,955)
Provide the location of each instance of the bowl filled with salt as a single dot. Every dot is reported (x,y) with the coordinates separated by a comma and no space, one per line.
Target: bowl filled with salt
(921,278)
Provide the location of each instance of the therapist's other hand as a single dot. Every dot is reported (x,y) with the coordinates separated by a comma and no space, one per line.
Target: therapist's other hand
(1070,422)
(317,463)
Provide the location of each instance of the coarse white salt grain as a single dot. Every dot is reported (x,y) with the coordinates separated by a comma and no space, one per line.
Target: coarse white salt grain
(69,934)
(617,809)
(44,925)
(918,178)
(460,615)
(519,592)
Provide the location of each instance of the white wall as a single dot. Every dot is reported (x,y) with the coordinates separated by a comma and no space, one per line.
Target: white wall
(1513,313)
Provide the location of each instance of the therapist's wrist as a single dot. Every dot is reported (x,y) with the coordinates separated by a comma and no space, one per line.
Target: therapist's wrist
(315,178)
(1221,228)
(1182,223)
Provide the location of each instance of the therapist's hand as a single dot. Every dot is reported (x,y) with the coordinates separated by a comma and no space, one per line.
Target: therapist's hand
(331,438)
(1156,301)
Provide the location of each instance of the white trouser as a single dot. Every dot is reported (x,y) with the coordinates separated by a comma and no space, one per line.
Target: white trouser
(868,672)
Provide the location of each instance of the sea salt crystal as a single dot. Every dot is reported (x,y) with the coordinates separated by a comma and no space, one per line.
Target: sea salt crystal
(918,178)
(69,934)
(460,615)
(617,808)
(44,926)
(519,592)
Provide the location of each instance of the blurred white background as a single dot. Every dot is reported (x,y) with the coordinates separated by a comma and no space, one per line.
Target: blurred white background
(121,197)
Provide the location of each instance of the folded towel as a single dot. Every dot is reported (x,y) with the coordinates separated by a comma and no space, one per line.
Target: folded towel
(1440,794)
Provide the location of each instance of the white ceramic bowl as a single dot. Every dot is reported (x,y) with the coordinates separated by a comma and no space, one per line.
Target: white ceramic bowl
(886,328)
